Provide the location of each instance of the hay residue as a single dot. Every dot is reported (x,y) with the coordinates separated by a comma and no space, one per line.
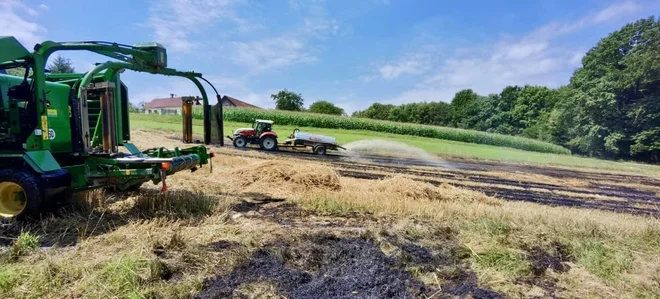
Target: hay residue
(287,175)
(416,190)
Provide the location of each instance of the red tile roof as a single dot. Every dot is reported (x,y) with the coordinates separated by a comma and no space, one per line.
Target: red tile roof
(238,103)
(175,102)
(164,103)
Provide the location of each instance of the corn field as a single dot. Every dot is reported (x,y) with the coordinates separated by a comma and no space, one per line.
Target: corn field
(301,119)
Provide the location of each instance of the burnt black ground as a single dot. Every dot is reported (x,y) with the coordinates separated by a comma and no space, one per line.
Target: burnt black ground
(327,266)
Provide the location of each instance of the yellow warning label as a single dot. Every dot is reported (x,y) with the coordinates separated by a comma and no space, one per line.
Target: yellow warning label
(44,126)
(128,172)
(52,112)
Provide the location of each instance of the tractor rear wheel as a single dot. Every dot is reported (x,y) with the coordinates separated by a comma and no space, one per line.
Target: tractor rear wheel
(240,141)
(20,194)
(268,143)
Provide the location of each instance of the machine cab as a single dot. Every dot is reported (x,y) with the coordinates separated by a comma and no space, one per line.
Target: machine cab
(262,126)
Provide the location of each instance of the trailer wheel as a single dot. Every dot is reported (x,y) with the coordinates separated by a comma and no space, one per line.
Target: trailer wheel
(240,141)
(268,143)
(20,194)
(320,149)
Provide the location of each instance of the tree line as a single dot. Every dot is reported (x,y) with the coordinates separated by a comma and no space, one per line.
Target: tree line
(291,101)
(609,109)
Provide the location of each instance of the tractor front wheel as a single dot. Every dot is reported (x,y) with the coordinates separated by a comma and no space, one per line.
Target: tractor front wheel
(268,143)
(20,194)
(240,141)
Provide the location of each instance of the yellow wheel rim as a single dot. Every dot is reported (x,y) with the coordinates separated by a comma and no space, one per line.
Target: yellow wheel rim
(12,199)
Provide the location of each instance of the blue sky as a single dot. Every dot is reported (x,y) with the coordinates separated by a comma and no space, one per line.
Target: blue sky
(352,53)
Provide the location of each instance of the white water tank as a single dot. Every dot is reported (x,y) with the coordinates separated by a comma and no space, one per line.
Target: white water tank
(313,137)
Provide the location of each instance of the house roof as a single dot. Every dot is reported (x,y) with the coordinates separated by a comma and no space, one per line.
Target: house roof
(238,103)
(164,103)
(175,102)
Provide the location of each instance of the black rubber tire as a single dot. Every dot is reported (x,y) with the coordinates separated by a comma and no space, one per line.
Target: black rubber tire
(31,186)
(320,150)
(243,139)
(263,141)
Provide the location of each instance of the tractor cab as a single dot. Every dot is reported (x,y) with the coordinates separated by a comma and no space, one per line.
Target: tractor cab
(261,126)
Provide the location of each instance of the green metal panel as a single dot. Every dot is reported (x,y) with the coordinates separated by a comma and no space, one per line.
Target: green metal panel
(58,117)
(12,49)
(41,161)
(131,148)
(78,176)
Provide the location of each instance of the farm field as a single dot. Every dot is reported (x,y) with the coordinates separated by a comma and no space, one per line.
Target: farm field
(295,225)
(444,148)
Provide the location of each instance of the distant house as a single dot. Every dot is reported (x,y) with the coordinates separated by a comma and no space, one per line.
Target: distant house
(172,105)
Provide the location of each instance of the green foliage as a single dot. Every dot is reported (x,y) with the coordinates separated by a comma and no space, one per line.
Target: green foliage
(375,111)
(325,107)
(352,123)
(25,244)
(288,100)
(506,262)
(614,110)
(61,65)
(465,107)
(132,108)
(9,278)
(602,260)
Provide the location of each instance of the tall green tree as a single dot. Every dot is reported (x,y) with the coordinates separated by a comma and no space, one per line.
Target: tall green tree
(614,108)
(61,65)
(375,111)
(288,100)
(465,109)
(325,107)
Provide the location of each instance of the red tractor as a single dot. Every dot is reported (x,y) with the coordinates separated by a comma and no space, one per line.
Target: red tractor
(261,133)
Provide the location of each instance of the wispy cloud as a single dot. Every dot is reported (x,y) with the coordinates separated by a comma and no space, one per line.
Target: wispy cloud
(182,24)
(412,63)
(262,55)
(536,58)
(14,20)
(288,48)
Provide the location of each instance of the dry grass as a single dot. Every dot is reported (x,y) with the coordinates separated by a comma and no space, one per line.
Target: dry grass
(282,175)
(162,245)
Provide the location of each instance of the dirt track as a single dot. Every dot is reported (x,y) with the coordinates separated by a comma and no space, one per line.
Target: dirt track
(623,193)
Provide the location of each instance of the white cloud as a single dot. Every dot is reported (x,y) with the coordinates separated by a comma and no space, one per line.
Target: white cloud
(262,55)
(181,24)
(365,78)
(535,59)
(415,63)
(12,23)
(615,11)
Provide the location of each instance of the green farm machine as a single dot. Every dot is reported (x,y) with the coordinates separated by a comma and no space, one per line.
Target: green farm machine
(65,133)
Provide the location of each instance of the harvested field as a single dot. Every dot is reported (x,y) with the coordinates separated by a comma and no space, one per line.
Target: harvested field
(294,225)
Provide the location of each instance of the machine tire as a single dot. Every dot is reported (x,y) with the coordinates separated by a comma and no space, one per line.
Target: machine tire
(268,143)
(240,142)
(320,150)
(29,185)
